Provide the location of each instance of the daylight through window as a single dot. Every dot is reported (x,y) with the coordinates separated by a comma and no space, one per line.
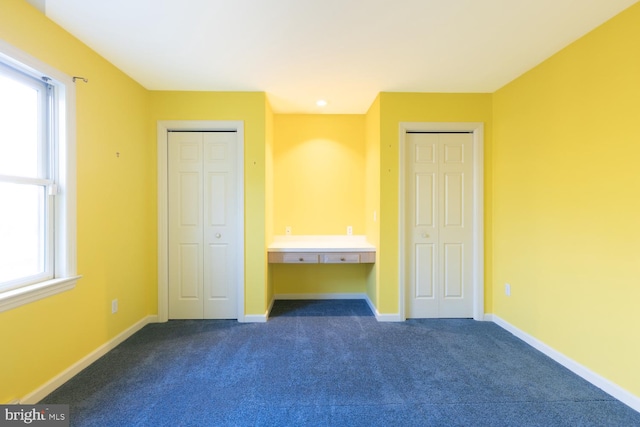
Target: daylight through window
(37,180)
(25,177)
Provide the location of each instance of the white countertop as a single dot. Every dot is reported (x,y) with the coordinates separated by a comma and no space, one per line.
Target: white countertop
(321,243)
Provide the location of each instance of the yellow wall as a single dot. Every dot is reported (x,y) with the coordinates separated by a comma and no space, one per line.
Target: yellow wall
(372,192)
(319,174)
(319,278)
(253,109)
(416,107)
(269,199)
(566,201)
(116,214)
(319,189)
(561,205)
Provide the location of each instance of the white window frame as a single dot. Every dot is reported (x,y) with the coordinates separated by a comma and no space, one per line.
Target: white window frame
(44,177)
(64,207)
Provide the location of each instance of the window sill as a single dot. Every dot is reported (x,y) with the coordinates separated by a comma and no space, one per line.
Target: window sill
(26,294)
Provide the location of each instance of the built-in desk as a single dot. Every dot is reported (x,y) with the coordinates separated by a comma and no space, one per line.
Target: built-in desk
(321,250)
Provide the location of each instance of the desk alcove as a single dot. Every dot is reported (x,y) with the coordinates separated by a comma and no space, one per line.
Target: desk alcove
(321,250)
(319,273)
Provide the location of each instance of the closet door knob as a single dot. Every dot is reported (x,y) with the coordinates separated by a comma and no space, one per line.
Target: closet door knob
(425,235)
(218,235)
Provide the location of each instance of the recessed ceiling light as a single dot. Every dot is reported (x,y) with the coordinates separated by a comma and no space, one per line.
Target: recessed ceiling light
(321,103)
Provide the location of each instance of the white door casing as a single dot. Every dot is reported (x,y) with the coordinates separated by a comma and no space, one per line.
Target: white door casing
(218,254)
(441,245)
(202,223)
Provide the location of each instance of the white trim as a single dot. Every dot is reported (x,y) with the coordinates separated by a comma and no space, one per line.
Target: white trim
(273,300)
(26,294)
(26,180)
(255,318)
(51,385)
(477,128)
(388,317)
(19,59)
(163,223)
(259,318)
(393,317)
(320,296)
(597,380)
(65,249)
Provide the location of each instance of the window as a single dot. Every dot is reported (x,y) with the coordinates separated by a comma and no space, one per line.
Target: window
(37,180)
(26,179)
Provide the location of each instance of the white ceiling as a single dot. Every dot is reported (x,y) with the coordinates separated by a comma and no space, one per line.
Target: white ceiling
(345,51)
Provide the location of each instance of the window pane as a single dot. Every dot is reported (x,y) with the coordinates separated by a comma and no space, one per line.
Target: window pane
(22,231)
(19,126)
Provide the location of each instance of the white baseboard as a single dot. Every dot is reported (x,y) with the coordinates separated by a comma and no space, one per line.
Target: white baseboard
(259,318)
(270,307)
(388,317)
(393,317)
(319,296)
(48,387)
(256,318)
(599,381)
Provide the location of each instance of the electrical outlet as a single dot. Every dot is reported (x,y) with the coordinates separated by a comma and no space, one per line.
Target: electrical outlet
(114,306)
(375,216)
(349,230)
(287,230)
(507,289)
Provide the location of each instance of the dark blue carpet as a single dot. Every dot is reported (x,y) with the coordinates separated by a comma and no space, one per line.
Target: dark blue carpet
(330,363)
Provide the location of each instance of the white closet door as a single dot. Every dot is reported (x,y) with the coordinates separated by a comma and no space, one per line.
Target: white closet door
(185,226)
(220,225)
(439,224)
(202,225)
